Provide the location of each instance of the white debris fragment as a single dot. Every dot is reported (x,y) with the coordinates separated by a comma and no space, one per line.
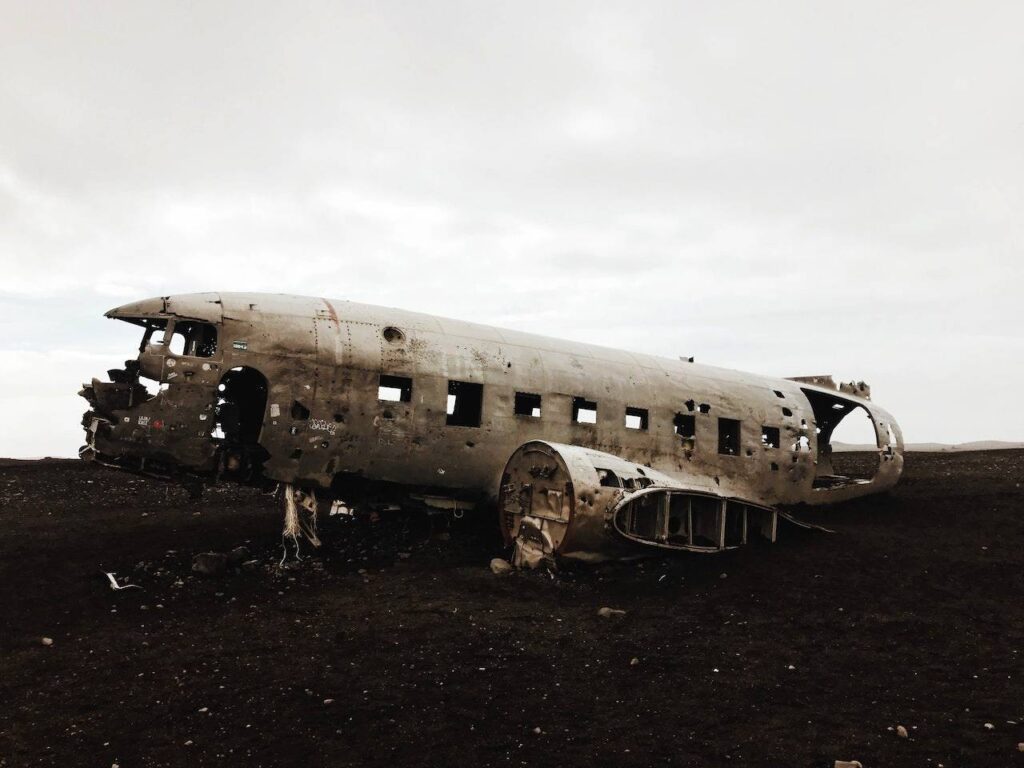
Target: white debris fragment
(610,613)
(901,732)
(848,764)
(989,727)
(634,661)
(47,641)
(537,730)
(1020,746)
(114,585)
(500,567)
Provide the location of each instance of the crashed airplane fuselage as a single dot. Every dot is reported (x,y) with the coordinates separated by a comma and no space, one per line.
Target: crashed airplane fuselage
(586,452)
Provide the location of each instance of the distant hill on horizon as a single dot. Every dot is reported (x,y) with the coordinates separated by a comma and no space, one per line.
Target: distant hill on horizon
(977,445)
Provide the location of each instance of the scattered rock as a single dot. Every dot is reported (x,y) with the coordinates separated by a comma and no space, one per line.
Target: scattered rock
(210,563)
(610,613)
(501,567)
(328,701)
(1020,746)
(238,555)
(537,730)
(848,764)
(634,661)
(723,576)
(901,732)
(989,727)
(47,641)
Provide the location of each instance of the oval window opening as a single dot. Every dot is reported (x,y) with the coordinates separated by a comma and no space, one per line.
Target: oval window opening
(393,335)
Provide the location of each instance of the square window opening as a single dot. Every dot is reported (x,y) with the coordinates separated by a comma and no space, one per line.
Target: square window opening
(465,404)
(527,404)
(584,411)
(770,437)
(728,437)
(394,389)
(636,418)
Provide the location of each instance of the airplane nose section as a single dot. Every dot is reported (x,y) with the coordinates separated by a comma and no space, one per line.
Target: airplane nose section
(195,306)
(144,308)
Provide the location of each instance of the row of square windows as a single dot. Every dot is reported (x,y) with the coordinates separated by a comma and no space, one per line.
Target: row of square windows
(465,409)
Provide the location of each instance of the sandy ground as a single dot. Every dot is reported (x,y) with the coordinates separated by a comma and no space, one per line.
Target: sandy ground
(394,647)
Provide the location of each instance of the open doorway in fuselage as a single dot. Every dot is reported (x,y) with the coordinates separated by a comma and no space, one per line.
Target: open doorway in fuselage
(240,412)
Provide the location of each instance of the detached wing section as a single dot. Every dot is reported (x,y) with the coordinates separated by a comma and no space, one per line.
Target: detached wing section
(567,501)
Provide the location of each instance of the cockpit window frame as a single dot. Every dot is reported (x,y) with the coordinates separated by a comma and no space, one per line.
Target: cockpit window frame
(191,342)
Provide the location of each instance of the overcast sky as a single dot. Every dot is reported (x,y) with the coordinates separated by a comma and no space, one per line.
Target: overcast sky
(786,188)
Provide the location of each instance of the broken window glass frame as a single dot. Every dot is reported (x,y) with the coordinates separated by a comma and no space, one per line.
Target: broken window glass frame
(465,404)
(527,404)
(394,389)
(636,418)
(584,411)
(728,437)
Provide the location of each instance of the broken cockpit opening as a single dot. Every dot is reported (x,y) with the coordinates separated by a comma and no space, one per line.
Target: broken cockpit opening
(154,414)
(126,387)
(163,338)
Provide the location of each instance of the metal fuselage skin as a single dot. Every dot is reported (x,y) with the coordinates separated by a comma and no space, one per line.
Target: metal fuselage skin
(322,361)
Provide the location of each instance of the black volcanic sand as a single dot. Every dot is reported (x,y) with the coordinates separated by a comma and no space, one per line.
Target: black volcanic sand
(397,647)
